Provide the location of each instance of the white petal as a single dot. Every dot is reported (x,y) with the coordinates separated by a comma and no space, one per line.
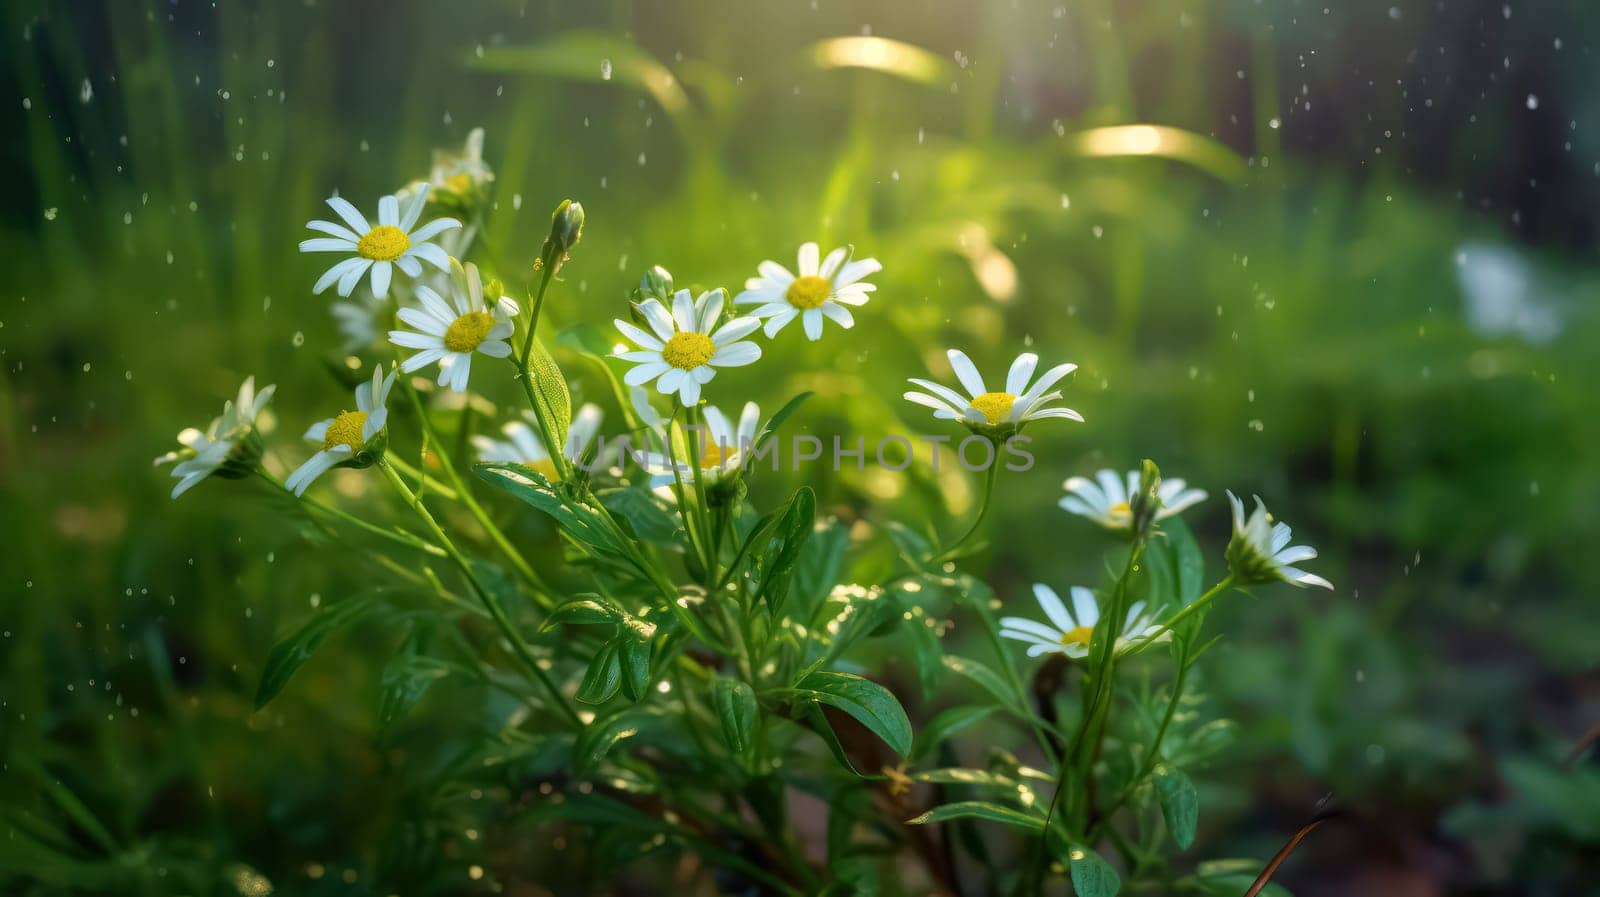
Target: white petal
(637,335)
(351,277)
(389,211)
(351,215)
(710,309)
(644,373)
(957,400)
(659,319)
(410,340)
(967,373)
(1084,608)
(736,329)
(1050,602)
(839,314)
(735,355)
(856,270)
(1021,371)
(778,321)
(832,263)
(429,253)
(808,260)
(336,272)
(776,274)
(334,230)
(689,391)
(413,207)
(811,320)
(432,229)
(422,321)
(327,244)
(381,273)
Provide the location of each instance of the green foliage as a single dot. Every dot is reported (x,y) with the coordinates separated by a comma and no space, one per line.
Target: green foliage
(291,652)
(1271,327)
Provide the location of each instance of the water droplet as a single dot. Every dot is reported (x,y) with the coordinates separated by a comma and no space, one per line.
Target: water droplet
(605,70)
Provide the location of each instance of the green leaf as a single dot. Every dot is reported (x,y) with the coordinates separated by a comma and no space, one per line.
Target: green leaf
(1191,562)
(871,704)
(603,677)
(928,650)
(1092,876)
(634,654)
(646,513)
(958,775)
(1180,804)
(289,654)
(794,528)
(946,724)
(406,677)
(820,564)
(550,385)
(977,809)
(1232,877)
(736,707)
(598,738)
(582,610)
(776,421)
(977,672)
(578,521)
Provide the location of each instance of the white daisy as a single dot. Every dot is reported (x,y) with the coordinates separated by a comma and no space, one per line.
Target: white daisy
(1107,499)
(1260,552)
(457,175)
(229,446)
(345,437)
(684,351)
(522,444)
(723,448)
(391,244)
(1071,629)
(820,291)
(358,321)
(449,335)
(982,409)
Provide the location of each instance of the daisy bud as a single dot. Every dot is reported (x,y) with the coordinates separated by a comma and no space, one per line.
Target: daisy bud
(566,228)
(1146,503)
(655,284)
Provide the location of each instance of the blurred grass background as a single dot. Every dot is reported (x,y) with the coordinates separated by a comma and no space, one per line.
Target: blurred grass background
(1358,278)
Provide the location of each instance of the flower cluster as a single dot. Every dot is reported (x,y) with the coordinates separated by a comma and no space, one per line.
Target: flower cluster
(756,633)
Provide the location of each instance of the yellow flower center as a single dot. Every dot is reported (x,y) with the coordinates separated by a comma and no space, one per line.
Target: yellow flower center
(545,467)
(688,350)
(996,406)
(808,292)
(1078,636)
(384,243)
(1120,511)
(458,183)
(346,430)
(468,331)
(712,455)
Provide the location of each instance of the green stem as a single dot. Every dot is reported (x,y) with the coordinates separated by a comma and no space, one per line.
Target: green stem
(1074,768)
(418,475)
(1152,756)
(523,568)
(507,628)
(403,538)
(1189,609)
(983,511)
